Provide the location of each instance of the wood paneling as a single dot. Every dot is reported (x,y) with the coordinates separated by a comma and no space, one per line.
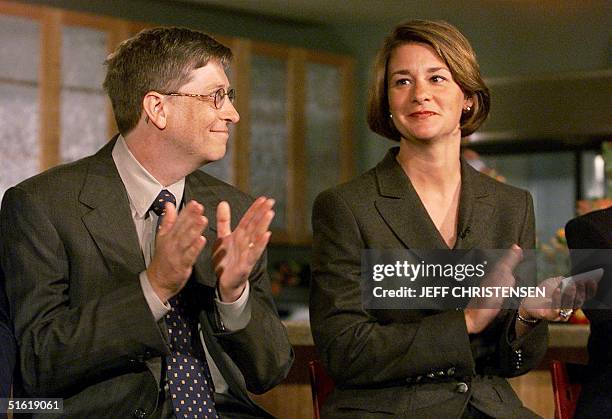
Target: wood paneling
(50,85)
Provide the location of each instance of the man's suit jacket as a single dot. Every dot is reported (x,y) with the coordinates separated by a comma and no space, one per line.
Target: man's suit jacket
(594,231)
(381,359)
(7,344)
(71,257)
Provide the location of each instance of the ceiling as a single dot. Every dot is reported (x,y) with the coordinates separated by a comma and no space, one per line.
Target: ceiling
(391,11)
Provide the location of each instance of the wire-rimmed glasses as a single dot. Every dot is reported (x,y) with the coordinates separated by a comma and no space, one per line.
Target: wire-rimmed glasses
(218,97)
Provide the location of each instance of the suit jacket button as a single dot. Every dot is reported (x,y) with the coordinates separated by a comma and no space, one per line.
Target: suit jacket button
(461,388)
(139,413)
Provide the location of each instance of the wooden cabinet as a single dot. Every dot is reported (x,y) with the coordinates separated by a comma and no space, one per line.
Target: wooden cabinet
(293,140)
(51,76)
(20,88)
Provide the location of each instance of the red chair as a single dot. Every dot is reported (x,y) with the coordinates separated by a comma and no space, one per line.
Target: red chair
(565,390)
(321,384)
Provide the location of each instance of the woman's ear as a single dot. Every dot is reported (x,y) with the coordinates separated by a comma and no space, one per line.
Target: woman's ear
(468,102)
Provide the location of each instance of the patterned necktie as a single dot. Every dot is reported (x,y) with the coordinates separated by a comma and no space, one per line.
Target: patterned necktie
(191,386)
(187,374)
(158,206)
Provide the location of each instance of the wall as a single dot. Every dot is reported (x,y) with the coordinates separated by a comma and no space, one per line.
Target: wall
(511,38)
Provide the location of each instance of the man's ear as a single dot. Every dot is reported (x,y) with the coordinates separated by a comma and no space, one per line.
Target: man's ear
(153,106)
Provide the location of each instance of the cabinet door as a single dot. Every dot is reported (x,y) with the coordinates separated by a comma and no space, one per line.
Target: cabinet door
(19,99)
(269,134)
(83,117)
(297,141)
(328,150)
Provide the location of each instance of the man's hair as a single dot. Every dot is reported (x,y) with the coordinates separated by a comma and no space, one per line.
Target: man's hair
(454,49)
(158,59)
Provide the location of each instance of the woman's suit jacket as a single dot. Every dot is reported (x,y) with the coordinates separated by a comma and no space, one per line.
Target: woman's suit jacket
(383,361)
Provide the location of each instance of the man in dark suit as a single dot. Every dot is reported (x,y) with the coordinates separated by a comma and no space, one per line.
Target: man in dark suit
(125,305)
(7,345)
(590,239)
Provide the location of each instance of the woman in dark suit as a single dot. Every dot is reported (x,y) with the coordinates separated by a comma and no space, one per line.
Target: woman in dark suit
(426,94)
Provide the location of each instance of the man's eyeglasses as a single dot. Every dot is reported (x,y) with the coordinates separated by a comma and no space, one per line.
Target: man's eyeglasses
(217,97)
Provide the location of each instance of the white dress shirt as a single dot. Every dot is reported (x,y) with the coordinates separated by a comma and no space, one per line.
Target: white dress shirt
(142,189)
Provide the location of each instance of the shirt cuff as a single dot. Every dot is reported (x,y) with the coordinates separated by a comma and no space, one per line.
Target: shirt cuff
(158,308)
(236,315)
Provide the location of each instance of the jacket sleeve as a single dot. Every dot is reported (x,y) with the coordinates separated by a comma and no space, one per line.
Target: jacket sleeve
(7,344)
(357,348)
(519,355)
(261,350)
(65,345)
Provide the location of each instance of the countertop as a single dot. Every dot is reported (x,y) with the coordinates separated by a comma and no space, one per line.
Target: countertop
(560,335)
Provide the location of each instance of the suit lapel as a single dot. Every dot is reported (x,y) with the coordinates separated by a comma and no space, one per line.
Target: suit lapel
(401,208)
(109,220)
(476,207)
(197,189)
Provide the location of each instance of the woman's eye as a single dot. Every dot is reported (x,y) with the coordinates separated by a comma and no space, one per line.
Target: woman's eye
(437,79)
(400,82)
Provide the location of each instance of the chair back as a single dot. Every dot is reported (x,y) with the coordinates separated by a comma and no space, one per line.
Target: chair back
(321,384)
(565,390)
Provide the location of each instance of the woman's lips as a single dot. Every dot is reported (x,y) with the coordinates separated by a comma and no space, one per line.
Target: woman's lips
(422,114)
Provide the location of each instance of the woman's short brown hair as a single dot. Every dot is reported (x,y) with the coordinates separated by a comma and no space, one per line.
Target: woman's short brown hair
(159,59)
(454,49)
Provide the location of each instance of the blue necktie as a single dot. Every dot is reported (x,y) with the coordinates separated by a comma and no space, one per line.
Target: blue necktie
(187,374)
(158,206)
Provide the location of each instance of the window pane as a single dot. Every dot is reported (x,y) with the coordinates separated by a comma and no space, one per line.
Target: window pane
(84,123)
(323,135)
(550,177)
(593,176)
(84,117)
(19,148)
(19,49)
(83,53)
(268,139)
(19,110)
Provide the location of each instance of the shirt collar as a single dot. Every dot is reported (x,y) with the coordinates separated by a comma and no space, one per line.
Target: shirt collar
(142,188)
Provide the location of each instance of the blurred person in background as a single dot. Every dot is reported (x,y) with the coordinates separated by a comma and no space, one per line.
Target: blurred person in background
(589,238)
